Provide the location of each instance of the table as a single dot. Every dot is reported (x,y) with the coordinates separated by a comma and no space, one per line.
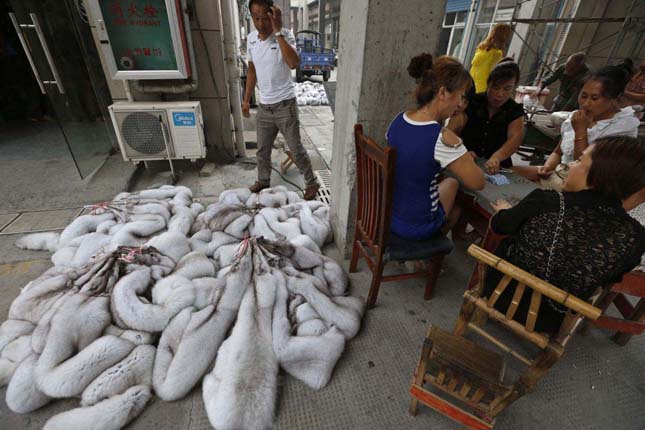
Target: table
(477,211)
(476,207)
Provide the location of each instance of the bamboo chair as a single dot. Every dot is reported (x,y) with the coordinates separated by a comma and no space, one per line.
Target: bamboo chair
(469,379)
(372,239)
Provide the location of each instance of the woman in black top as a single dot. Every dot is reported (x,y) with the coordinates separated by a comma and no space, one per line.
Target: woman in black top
(495,122)
(577,240)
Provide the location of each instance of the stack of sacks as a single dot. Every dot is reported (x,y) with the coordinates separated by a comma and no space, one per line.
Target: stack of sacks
(311,93)
(133,307)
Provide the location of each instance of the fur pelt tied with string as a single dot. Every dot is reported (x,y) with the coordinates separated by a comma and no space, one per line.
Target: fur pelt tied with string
(151,293)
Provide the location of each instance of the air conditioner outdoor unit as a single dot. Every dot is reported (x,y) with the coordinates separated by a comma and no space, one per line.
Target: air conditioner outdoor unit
(159,130)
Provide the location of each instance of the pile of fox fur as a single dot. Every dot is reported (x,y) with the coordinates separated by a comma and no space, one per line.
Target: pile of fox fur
(151,293)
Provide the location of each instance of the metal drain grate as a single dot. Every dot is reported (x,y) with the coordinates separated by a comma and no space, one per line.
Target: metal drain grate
(324,179)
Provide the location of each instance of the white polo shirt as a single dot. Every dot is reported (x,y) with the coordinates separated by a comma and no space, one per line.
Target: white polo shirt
(273,74)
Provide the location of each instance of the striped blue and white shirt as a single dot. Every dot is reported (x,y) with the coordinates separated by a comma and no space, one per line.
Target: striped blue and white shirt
(417,213)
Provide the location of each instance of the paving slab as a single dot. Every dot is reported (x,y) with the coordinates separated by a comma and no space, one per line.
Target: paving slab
(42,221)
(6,219)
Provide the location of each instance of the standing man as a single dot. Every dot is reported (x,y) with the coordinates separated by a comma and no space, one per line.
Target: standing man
(271,52)
(572,76)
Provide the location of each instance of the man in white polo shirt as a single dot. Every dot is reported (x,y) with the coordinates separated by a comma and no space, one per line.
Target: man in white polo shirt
(271,54)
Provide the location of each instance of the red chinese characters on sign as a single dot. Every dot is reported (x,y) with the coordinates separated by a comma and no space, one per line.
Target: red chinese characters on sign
(119,18)
(132,10)
(146,52)
(150,11)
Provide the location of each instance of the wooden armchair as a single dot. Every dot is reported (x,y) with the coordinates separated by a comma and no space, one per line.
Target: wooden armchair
(372,238)
(469,379)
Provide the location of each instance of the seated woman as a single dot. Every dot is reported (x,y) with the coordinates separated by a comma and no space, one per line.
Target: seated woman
(421,204)
(450,148)
(577,240)
(599,116)
(495,122)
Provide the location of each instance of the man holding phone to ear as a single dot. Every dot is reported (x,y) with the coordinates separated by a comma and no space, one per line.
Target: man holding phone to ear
(271,54)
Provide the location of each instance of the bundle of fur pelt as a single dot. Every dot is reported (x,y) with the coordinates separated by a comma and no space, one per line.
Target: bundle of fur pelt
(86,331)
(293,314)
(274,213)
(131,219)
(134,307)
(62,341)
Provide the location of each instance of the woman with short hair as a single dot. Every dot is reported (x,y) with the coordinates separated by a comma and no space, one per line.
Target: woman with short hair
(495,122)
(577,240)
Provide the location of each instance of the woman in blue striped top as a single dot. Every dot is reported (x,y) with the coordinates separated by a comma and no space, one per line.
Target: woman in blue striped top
(422,204)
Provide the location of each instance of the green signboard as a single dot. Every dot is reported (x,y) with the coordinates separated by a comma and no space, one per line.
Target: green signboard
(142,38)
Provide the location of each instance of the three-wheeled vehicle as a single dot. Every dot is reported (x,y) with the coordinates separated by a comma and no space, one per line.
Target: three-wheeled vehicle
(314,58)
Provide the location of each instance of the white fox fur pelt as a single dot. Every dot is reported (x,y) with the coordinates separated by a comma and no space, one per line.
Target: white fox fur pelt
(130,308)
(187,350)
(177,368)
(47,241)
(23,396)
(152,292)
(346,315)
(241,390)
(70,378)
(110,414)
(12,329)
(12,355)
(195,265)
(135,369)
(38,297)
(310,358)
(172,244)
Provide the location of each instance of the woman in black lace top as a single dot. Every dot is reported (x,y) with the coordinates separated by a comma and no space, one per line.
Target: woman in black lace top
(577,240)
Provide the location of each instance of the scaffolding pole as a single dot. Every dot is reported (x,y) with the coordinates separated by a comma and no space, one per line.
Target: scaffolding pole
(626,27)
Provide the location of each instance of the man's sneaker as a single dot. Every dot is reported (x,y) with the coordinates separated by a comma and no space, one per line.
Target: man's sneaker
(310,192)
(259,186)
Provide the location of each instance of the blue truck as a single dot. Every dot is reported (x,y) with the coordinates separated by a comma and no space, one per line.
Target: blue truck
(314,58)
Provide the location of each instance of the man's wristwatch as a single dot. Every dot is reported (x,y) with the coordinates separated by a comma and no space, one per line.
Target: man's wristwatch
(280,33)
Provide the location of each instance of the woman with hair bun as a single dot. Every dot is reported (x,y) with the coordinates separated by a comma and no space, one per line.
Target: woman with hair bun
(421,204)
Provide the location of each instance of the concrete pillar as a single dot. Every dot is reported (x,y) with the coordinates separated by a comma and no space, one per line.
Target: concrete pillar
(377,41)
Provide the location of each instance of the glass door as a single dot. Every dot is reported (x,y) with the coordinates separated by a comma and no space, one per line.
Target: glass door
(56,38)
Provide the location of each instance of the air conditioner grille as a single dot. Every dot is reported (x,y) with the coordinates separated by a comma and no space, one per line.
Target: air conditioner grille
(142,132)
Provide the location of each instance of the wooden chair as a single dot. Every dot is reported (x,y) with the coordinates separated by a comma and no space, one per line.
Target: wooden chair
(468,379)
(633,322)
(372,238)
